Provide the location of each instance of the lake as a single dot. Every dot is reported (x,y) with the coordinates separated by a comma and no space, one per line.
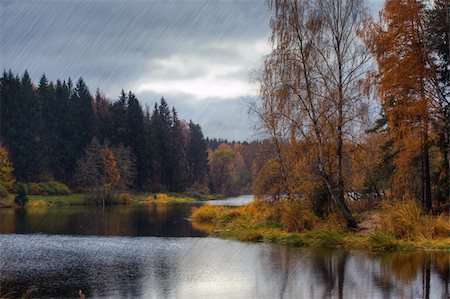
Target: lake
(155,252)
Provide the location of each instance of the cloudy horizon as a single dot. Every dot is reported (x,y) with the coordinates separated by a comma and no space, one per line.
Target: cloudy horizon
(199,55)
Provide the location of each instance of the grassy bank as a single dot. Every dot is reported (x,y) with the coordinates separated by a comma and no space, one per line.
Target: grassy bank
(84,199)
(391,227)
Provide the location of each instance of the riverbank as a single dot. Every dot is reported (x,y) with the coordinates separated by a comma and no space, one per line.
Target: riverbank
(391,227)
(80,199)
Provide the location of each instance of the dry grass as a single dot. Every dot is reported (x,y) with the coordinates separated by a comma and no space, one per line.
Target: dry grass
(403,226)
(406,220)
(207,213)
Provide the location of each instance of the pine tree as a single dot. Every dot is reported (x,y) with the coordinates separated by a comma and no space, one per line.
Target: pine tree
(47,99)
(197,155)
(119,119)
(178,168)
(162,131)
(137,139)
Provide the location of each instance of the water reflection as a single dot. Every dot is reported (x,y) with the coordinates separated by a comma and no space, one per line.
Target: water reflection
(151,267)
(124,220)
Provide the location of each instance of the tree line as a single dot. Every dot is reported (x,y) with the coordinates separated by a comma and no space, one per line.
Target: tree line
(329,59)
(60,131)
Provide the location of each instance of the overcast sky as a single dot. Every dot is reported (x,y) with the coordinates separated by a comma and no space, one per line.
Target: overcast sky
(199,55)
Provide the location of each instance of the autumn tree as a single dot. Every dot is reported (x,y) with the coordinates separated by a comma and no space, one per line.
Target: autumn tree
(311,88)
(89,173)
(126,164)
(219,165)
(227,169)
(409,93)
(6,170)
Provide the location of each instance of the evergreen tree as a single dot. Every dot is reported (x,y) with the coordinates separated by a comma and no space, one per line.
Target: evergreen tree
(197,154)
(178,161)
(119,119)
(137,139)
(47,99)
(162,130)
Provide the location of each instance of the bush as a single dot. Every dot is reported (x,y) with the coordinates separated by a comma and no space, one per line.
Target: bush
(124,198)
(21,197)
(161,196)
(3,192)
(48,188)
(297,216)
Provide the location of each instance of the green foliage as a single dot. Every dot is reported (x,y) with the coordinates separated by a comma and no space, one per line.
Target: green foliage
(22,194)
(3,192)
(48,188)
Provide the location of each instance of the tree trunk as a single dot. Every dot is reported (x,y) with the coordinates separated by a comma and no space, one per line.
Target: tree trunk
(340,200)
(426,168)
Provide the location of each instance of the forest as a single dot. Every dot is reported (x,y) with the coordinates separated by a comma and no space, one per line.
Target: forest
(57,133)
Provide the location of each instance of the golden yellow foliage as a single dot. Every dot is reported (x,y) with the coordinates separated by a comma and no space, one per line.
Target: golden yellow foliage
(6,169)
(161,196)
(112,174)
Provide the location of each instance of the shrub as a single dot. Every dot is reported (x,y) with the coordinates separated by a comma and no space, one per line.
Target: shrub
(262,211)
(197,191)
(161,196)
(3,192)
(21,197)
(297,216)
(48,188)
(124,198)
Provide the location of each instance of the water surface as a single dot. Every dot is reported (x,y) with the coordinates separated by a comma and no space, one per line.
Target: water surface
(155,252)
(232,201)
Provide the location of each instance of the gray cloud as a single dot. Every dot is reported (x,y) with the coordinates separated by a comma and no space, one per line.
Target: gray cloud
(199,48)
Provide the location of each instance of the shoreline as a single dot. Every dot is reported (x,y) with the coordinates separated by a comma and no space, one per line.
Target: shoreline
(237,223)
(82,199)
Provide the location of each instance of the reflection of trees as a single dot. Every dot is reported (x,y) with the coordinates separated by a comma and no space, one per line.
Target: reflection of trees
(278,266)
(123,220)
(403,269)
(286,266)
(441,262)
(331,266)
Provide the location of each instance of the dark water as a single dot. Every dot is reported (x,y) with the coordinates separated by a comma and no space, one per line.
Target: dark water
(153,252)
(120,220)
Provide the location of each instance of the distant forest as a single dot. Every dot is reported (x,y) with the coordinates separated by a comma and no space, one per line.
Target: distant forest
(60,131)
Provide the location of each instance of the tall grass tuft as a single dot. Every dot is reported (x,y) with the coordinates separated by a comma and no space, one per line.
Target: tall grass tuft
(406,220)
(297,216)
